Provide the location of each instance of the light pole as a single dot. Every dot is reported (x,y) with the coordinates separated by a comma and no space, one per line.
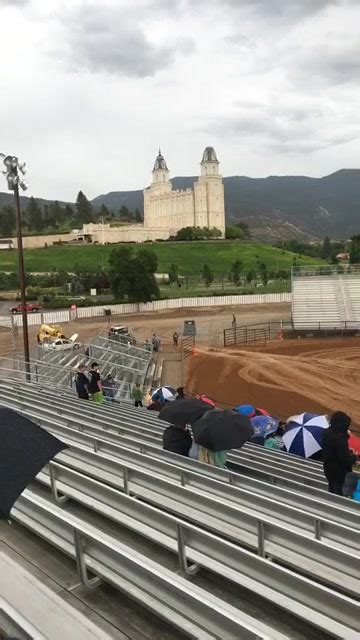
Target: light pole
(14,180)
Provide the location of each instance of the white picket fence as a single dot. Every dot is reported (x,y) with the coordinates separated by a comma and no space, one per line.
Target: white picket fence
(36,319)
(58,317)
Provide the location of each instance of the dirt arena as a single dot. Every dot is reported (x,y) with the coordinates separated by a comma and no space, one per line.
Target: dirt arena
(209,321)
(285,377)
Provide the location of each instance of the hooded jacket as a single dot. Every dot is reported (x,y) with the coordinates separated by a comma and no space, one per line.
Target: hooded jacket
(337,457)
(177,440)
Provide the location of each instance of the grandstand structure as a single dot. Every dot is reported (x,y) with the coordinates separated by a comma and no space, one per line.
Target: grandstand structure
(158,526)
(127,364)
(326,298)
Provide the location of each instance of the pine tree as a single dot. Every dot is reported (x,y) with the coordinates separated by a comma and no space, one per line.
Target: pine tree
(7,220)
(55,213)
(69,212)
(104,212)
(34,215)
(173,274)
(207,275)
(137,216)
(235,272)
(355,250)
(326,249)
(84,211)
(124,213)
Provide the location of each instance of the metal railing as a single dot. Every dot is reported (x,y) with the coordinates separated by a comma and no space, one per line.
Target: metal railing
(170,596)
(44,407)
(250,335)
(319,501)
(332,560)
(325,270)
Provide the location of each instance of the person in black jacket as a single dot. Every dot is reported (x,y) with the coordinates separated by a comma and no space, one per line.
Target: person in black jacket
(177,439)
(337,457)
(81,383)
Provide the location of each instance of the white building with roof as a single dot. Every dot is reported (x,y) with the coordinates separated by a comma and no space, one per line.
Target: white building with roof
(172,209)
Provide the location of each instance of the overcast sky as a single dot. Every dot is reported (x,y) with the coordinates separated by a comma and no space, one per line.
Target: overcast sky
(90,89)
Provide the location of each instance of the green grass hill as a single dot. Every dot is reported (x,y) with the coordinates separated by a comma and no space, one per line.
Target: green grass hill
(188,256)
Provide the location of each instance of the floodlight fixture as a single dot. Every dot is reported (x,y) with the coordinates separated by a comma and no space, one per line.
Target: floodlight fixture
(14,181)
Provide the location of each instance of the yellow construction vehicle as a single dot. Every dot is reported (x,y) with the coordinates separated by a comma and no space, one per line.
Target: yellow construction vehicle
(48,332)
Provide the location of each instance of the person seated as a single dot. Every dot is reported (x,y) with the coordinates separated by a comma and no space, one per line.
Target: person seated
(274,440)
(215,458)
(177,439)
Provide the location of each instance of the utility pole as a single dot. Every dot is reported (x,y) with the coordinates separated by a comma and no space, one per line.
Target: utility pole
(13,179)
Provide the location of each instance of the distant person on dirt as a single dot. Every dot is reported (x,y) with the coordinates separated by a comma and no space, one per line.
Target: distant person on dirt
(155,343)
(81,383)
(175,339)
(337,457)
(137,395)
(95,387)
(177,439)
(233,323)
(147,345)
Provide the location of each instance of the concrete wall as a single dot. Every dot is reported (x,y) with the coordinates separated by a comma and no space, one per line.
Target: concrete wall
(36,242)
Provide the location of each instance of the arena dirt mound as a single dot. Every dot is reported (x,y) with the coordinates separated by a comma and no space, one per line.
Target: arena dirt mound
(285,378)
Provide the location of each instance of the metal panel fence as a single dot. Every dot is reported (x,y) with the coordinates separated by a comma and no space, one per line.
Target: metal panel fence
(64,315)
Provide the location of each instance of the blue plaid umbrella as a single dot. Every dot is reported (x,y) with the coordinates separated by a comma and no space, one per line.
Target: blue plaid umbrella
(263,426)
(303,434)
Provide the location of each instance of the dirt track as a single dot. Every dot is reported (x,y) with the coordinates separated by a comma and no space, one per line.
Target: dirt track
(209,320)
(285,377)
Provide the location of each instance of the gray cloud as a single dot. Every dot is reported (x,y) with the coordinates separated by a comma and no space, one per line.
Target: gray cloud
(285,129)
(338,63)
(110,39)
(13,3)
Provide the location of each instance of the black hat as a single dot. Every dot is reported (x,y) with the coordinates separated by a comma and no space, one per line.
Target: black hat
(340,421)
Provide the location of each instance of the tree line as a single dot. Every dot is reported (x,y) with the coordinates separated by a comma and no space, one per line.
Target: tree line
(55,216)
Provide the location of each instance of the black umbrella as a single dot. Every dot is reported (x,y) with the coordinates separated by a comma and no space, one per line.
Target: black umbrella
(25,449)
(183,411)
(222,429)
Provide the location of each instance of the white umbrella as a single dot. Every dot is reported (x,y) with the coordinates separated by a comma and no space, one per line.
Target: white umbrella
(303,434)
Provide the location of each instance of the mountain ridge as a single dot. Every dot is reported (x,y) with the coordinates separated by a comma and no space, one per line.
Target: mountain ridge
(316,206)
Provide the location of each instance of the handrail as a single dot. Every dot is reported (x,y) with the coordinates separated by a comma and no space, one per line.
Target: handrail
(170,596)
(130,426)
(113,432)
(337,566)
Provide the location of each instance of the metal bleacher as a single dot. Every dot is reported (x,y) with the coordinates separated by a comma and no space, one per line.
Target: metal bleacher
(326,298)
(126,363)
(266,525)
(30,609)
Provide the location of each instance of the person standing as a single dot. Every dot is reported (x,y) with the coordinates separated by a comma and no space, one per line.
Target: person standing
(110,388)
(81,383)
(177,439)
(175,339)
(233,323)
(337,457)
(154,342)
(180,393)
(95,387)
(137,394)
